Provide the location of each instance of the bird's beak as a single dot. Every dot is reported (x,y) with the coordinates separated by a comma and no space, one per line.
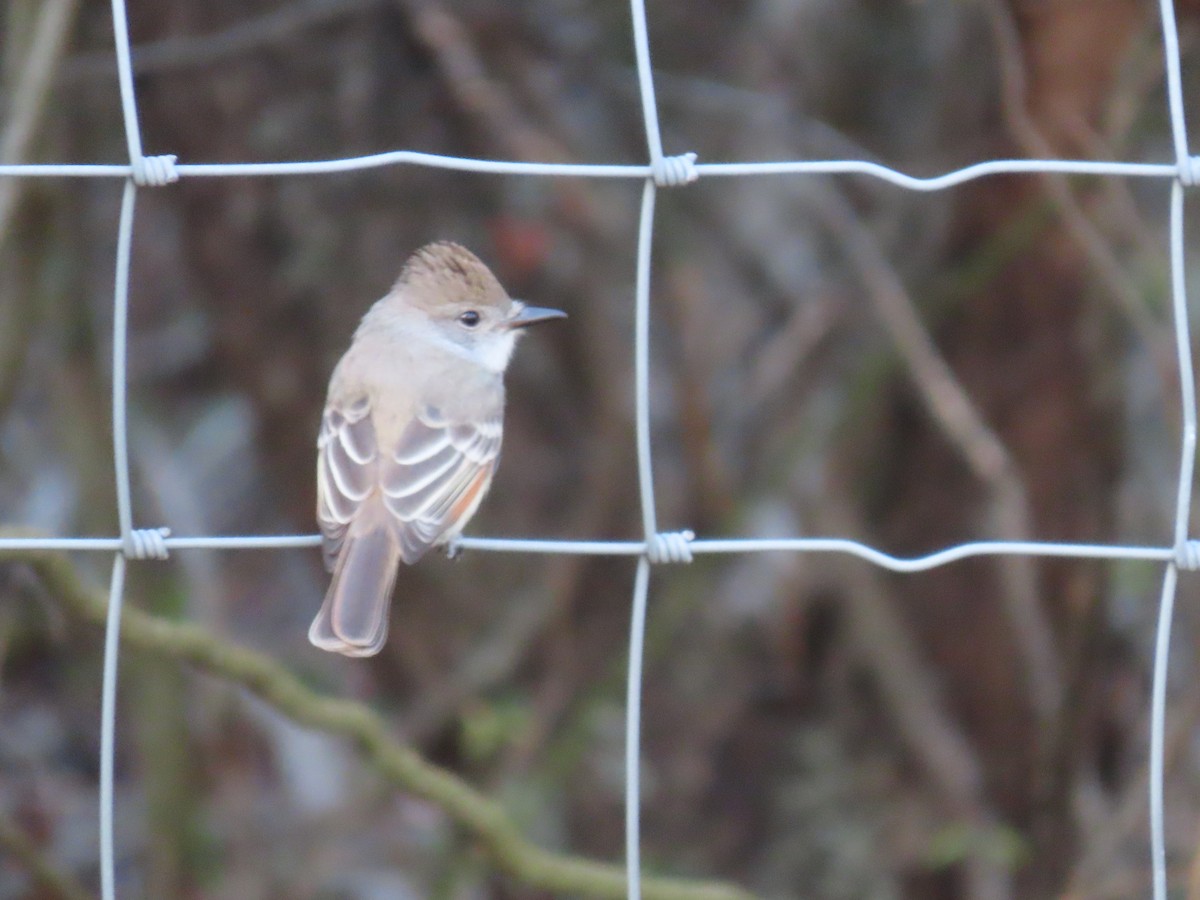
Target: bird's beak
(531,315)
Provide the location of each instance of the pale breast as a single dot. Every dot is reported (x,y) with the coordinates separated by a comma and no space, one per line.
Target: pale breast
(400,375)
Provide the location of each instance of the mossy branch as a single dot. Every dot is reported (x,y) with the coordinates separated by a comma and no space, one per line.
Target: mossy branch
(398,764)
(21,848)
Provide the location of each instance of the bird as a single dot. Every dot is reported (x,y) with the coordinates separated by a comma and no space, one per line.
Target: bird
(410,434)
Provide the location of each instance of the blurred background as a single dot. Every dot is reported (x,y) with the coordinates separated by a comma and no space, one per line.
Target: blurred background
(832,356)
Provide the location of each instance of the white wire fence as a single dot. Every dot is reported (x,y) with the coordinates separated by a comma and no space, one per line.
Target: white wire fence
(657,548)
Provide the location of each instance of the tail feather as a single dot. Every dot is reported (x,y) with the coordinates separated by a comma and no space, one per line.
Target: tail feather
(353,619)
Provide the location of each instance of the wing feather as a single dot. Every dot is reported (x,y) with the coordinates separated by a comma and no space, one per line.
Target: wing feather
(346,467)
(431,481)
(433,467)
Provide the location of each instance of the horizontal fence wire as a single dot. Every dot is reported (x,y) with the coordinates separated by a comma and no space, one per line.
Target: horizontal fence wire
(696,546)
(585,170)
(656,548)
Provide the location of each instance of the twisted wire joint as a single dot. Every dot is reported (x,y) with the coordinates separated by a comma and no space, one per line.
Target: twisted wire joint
(154,171)
(146,543)
(670,547)
(1189,172)
(1187,556)
(674,171)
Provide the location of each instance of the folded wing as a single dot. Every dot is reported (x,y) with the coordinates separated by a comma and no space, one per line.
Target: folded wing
(435,476)
(430,482)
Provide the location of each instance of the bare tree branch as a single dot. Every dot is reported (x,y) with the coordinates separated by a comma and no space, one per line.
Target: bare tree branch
(913,700)
(1084,232)
(953,411)
(29,96)
(399,764)
(176,53)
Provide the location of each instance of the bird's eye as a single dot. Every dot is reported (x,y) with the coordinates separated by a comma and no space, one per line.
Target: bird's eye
(470,318)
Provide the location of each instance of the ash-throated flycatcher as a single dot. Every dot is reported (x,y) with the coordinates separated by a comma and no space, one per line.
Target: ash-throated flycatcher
(411,433)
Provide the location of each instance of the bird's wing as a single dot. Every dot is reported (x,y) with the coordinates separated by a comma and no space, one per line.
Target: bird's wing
(435,476)
(346,471)
(431,481)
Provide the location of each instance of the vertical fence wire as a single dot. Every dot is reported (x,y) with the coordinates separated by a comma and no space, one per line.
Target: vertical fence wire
(112,643)
(1171,62)
(1183,553)
(633,714)
(641,49)
(633,718)
(133,134)
(641,589)
(1162,641)
(120,344)
(1187,399)
(641,364)
(1158,703)
(108,718)
(641,361)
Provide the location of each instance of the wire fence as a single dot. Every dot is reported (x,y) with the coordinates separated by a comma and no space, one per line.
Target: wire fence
(657,548)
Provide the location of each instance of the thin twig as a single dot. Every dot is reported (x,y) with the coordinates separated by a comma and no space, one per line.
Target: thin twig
(1127,815)
(951,407)
(32,74)
(912,699)
(480,96)
(1087,236)
(399,764)
(29,96)
(181,52)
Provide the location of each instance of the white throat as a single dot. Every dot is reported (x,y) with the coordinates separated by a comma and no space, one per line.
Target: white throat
(490,350)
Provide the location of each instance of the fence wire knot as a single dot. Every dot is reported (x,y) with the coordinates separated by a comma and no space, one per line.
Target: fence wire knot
(670,547)
(146,543)
(1187,556)
(1189,171)
(154,171)
(674,171)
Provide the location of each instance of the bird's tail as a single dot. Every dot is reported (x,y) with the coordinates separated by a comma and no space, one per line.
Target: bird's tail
(353,620)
